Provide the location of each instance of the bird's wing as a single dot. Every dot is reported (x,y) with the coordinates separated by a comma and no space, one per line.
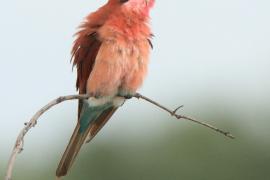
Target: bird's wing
(84,53)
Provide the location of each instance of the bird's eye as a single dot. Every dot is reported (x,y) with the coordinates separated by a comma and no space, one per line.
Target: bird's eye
(123,1)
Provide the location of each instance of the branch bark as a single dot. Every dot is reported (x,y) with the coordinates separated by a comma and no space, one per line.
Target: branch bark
(173,113)
(19,145)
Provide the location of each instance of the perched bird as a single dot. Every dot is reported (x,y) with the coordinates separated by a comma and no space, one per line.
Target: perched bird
(111,54)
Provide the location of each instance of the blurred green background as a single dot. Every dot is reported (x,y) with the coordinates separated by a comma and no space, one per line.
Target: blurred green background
(212,56)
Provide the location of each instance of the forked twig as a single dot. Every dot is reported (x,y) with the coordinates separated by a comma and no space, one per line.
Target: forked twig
(18,147)
(173,113)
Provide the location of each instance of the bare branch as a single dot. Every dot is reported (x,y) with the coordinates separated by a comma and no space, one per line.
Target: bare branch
(18,147)
(173,113)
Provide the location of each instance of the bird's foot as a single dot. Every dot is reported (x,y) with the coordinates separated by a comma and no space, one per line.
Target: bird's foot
(126,94)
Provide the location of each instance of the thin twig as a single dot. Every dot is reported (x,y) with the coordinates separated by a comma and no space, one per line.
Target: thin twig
(173,113)
(18,147)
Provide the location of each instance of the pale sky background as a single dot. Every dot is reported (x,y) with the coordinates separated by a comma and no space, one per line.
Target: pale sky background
(209,53)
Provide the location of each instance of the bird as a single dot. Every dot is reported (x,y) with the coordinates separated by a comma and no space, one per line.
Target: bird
(111,53)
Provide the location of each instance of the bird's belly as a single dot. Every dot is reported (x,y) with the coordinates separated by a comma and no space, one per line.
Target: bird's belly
(135,63)
(119,68)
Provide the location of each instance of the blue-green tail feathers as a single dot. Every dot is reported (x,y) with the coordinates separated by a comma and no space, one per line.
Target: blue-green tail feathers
(92,119)
(91,113)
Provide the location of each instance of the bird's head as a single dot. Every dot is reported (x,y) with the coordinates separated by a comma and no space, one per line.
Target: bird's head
(141,3)
(142,6)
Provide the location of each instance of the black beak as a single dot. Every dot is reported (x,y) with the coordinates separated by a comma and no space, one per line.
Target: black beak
(123,1)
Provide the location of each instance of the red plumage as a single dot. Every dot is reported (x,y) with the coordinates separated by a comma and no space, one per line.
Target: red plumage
(111,53)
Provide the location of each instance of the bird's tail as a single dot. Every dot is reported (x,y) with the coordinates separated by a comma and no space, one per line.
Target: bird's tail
(75,144)
(91,121)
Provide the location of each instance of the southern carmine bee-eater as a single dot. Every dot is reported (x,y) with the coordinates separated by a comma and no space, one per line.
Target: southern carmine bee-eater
(111,54)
